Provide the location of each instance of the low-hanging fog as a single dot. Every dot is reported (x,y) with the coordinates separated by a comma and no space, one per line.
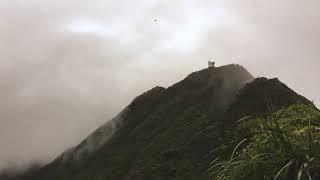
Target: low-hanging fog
(67,66)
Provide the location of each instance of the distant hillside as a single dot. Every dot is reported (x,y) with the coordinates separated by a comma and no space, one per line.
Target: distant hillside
(173,133)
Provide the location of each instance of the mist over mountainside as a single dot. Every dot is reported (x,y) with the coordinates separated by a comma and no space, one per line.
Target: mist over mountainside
(228,85)
(172,133)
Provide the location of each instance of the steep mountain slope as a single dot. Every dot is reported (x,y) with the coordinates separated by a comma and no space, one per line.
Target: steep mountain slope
(172,133)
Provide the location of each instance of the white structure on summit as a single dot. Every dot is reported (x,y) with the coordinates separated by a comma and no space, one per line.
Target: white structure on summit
(211,64)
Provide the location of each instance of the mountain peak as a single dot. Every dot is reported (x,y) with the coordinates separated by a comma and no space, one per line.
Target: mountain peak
(219,83)
(225,70)
(215,75)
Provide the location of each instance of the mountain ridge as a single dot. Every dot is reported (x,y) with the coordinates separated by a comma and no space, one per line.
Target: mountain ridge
(169,133)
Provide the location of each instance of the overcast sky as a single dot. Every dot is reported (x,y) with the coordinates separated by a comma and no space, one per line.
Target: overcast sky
(67,66)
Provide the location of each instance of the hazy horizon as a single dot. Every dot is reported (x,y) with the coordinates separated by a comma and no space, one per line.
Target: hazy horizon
(69,66)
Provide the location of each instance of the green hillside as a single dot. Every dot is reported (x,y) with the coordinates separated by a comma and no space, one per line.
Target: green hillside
(175,133)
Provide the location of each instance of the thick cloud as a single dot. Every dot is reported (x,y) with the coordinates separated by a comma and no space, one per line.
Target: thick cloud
(68,66)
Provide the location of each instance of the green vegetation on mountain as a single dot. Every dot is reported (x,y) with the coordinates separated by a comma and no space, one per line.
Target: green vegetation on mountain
(176,133)
(284,145)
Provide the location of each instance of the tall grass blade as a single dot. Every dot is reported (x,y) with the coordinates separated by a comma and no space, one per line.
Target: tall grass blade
(283,168)
(235,149)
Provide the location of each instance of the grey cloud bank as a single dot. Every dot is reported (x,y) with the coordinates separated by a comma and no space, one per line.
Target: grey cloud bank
(69,66)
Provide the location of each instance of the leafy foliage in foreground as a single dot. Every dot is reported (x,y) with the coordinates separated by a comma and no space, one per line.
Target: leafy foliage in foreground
(285,145)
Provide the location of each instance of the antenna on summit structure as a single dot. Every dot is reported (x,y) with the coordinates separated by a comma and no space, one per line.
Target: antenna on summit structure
(211,64)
